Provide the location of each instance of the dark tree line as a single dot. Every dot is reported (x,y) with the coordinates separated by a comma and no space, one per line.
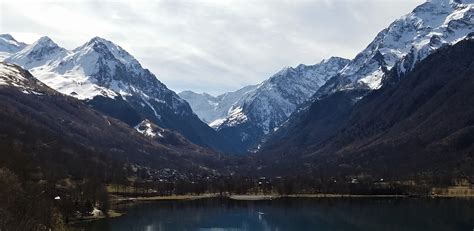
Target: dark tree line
(43,188)
(291,185)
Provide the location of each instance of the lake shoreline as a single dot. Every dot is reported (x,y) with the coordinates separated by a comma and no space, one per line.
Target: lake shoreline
(117,200)
(250,197)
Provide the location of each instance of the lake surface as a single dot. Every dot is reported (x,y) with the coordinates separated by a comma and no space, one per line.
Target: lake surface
(296,214)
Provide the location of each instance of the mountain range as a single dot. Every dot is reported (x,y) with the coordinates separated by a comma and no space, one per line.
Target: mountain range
(8,46)
(420,124)
(212,110)
(302,106)
(80,125)
(255,111)
(412,38)
(405,42)
(44,123)
(109,79)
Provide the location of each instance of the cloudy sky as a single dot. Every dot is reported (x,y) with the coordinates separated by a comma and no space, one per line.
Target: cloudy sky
(209,46)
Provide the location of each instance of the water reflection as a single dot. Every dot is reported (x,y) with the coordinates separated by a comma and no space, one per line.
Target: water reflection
(296,214)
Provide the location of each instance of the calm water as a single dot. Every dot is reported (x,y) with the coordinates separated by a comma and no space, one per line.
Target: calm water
(296,214)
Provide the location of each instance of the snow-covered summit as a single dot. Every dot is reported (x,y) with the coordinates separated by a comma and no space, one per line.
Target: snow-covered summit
(111,80)
(97,68)
(42,52)
(258,110)
(415,35)
(212,109)
(8,46)
(268,104)
(7,37)
(275,99)
(109,50)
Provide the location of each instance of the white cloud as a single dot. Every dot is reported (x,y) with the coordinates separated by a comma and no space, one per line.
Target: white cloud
(212,46)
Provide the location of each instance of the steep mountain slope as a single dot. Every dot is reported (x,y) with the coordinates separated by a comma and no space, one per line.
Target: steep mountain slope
(419,124)
(8,46)
(396,49)
(112,81)
(411,38)
(37,119)
(11,76)
(202,104)
(262,110)
(415,35)
(308,128)
(212,109)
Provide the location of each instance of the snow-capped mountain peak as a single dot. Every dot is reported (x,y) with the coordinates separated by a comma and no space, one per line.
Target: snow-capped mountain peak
(7,37)
(45,40)
(111,80)
(41,52)
(107,50)
(291,87)
(276,97)
(412,37)
(9,45)
(262,108)
(89,58)
(213,110)
(98,43)
(98,67)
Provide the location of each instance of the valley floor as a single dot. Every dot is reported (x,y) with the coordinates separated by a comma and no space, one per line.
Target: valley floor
(454,192)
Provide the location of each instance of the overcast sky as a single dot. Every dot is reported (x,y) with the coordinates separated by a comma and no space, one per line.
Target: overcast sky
(209,46)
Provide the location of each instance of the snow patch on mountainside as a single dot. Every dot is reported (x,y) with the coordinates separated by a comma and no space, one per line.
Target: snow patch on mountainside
(11,75)
(73,84)
(217,123)
(236,116)
(147,129)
